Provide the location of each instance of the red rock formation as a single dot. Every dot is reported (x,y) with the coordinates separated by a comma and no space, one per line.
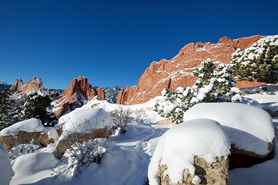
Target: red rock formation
(78,92)
(100,93)
(35,84)
(177,71)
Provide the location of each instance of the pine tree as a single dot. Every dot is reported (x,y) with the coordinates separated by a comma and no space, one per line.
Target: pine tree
(259,62)
(213,85)
(38,106)
(11,105)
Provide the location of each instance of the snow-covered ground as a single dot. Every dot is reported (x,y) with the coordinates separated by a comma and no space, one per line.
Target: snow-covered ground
(129,154)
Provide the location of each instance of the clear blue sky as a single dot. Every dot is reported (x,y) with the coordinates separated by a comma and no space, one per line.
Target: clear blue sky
(112,42)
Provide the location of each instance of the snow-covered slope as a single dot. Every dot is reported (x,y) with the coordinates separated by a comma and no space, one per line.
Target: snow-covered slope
(130,153)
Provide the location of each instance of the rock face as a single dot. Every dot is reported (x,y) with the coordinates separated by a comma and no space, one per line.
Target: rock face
(22,137)
(35,84)
(213,174)
(63,144)
(177,71)
(77,94)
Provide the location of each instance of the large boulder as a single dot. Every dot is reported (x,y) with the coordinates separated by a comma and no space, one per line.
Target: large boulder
(214,174)
(250,130)
(23,132)
(82,125)
(194,152)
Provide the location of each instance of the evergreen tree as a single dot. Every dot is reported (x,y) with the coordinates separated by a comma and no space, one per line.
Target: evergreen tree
(213,85)
(38,106)
(259,62)
(11,105)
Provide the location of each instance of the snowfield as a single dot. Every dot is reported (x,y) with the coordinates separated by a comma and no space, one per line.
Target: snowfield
(128,155)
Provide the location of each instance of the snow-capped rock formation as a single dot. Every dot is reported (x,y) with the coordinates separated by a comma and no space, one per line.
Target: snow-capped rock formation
(177,71)
(35,84)
(250,129)
(194,152)
(23,132)
(77,94)
(82,125)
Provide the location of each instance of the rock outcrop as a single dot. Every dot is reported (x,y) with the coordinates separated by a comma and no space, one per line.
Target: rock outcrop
(35,84)
(177,72)
(213,174)
(63,144)
(25,132)
(22,137)
(77,94)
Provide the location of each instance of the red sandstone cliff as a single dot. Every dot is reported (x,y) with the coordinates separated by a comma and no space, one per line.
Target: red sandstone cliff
(35,84)
(78,93)
(177,71)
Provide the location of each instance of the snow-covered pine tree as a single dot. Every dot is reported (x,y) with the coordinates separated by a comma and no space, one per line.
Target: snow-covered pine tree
(213,85)
(11,105)
(259,62)
(38,106)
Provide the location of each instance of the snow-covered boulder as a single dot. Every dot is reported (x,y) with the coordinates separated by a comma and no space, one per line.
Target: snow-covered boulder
(30,125)
(194,152)
(250,129)
(81,125)
(6,171)
(23,132)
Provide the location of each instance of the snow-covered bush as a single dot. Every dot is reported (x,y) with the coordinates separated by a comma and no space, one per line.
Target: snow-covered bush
(120,118)
(259,62)
(80,155)
(6,171)
(213,85)
(23,149)
(38,106)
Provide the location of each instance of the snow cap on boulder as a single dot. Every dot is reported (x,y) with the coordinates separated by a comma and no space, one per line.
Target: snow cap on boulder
(178,147)
(83,120)
(29,125)
(249,128)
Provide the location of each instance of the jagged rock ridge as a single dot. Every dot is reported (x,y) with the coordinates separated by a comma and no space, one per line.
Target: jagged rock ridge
(177,72)
(111,93)
(35,84)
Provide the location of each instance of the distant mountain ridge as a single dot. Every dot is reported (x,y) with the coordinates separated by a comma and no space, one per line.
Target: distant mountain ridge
(111,92)
(5,86)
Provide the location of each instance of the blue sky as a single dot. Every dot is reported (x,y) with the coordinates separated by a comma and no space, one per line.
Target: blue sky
(112,42)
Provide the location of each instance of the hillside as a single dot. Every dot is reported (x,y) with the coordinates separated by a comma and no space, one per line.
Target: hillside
(133,150)
(177,71)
